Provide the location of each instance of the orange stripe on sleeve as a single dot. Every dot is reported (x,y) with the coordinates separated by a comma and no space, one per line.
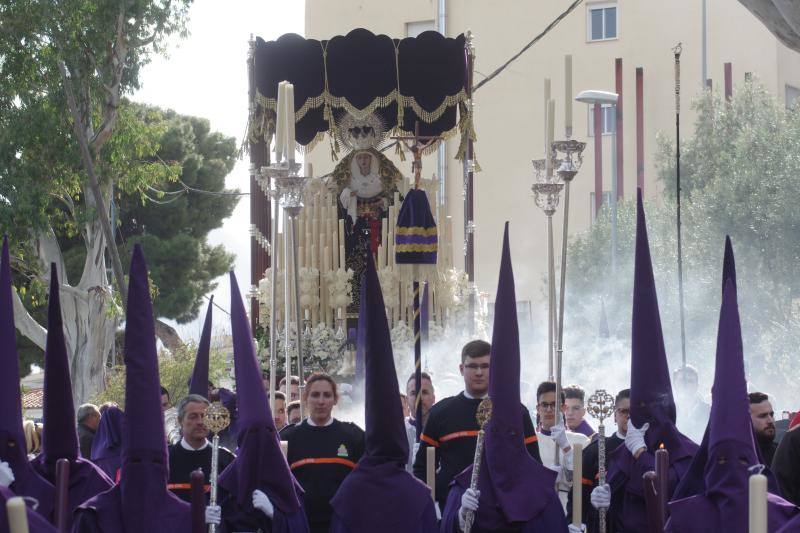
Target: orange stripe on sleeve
(531,439)
(185,486)
(587,482)
(432,442)
(459,435)
(322,461)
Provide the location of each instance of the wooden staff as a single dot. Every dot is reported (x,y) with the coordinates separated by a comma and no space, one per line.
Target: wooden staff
(198,502)
(62,514)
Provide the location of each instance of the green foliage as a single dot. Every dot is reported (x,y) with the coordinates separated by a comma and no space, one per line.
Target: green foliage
(740,176)
(174,370)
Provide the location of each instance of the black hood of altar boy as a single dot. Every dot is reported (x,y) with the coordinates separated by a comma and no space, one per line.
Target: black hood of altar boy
(13,450)
(60,439)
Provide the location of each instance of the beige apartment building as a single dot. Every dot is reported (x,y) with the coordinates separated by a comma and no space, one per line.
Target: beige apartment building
(510,109)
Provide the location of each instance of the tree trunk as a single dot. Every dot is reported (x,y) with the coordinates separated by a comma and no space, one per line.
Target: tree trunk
(89,326)
(168,336)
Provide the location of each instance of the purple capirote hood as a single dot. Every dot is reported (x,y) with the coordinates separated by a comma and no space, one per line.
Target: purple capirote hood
(141,501)
(651,390)
(513,485)
(380,494)
(13,448)
(260,464)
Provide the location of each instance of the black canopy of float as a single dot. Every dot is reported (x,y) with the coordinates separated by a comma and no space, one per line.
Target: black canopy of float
(362,72)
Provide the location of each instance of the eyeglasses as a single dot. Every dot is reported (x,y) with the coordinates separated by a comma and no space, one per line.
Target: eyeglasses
(548,406)
(476,366)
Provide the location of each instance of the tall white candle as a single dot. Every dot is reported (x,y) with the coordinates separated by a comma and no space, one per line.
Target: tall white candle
(17,515)
(568,93)
(758,504)
(577,484)
(289,109)
(551,112)
(546,103)
(280,122)
(430,463)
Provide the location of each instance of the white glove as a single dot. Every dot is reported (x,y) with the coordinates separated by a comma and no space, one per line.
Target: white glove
(601,497)
(634,438)
(559,435)
(469,502)
(262,503)
(213,514)
(6,474)
(438,511)
(575,529)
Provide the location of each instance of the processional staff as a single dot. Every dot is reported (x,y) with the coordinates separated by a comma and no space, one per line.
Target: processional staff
(600,406)
(217,418)
(484,415)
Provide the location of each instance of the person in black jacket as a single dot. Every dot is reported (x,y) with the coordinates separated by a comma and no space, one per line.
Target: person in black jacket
(452,428)
(88,419)
(786,465)
(193,451)
(322,451)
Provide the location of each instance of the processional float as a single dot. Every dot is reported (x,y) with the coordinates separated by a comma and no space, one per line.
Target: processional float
(353,92)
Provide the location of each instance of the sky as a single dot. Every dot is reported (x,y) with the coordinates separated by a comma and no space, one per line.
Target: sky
(205,75)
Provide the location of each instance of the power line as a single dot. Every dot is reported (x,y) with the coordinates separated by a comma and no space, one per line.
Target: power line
(525,48)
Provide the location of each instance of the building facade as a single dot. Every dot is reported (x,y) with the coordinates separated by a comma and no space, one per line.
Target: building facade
(609,40)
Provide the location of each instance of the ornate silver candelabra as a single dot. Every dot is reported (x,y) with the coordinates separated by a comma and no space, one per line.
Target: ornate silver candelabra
(568,167)
(547,194)
(600,406)
(287,187)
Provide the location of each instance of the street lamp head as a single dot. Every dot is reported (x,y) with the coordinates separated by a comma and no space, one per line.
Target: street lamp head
(597,97)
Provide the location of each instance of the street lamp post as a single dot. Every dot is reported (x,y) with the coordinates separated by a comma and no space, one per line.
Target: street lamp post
(592,97)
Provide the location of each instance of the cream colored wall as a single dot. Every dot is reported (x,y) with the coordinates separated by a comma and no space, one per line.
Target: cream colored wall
(510,111)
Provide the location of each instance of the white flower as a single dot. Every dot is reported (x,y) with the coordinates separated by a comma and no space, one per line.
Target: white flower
(265,293)
(309,287)
(389,280)
(339,288)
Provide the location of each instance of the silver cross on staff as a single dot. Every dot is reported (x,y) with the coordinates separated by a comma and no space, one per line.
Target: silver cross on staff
(600,406)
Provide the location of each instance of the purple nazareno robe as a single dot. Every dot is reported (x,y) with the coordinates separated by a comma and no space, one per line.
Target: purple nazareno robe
(260,464)
(107,443)
(652,401)
(27,482)
(380,494)
(515,490)
(140,502)
(60,439)
(722,505)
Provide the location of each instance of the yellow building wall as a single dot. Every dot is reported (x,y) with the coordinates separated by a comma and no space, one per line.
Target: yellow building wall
(510,109)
